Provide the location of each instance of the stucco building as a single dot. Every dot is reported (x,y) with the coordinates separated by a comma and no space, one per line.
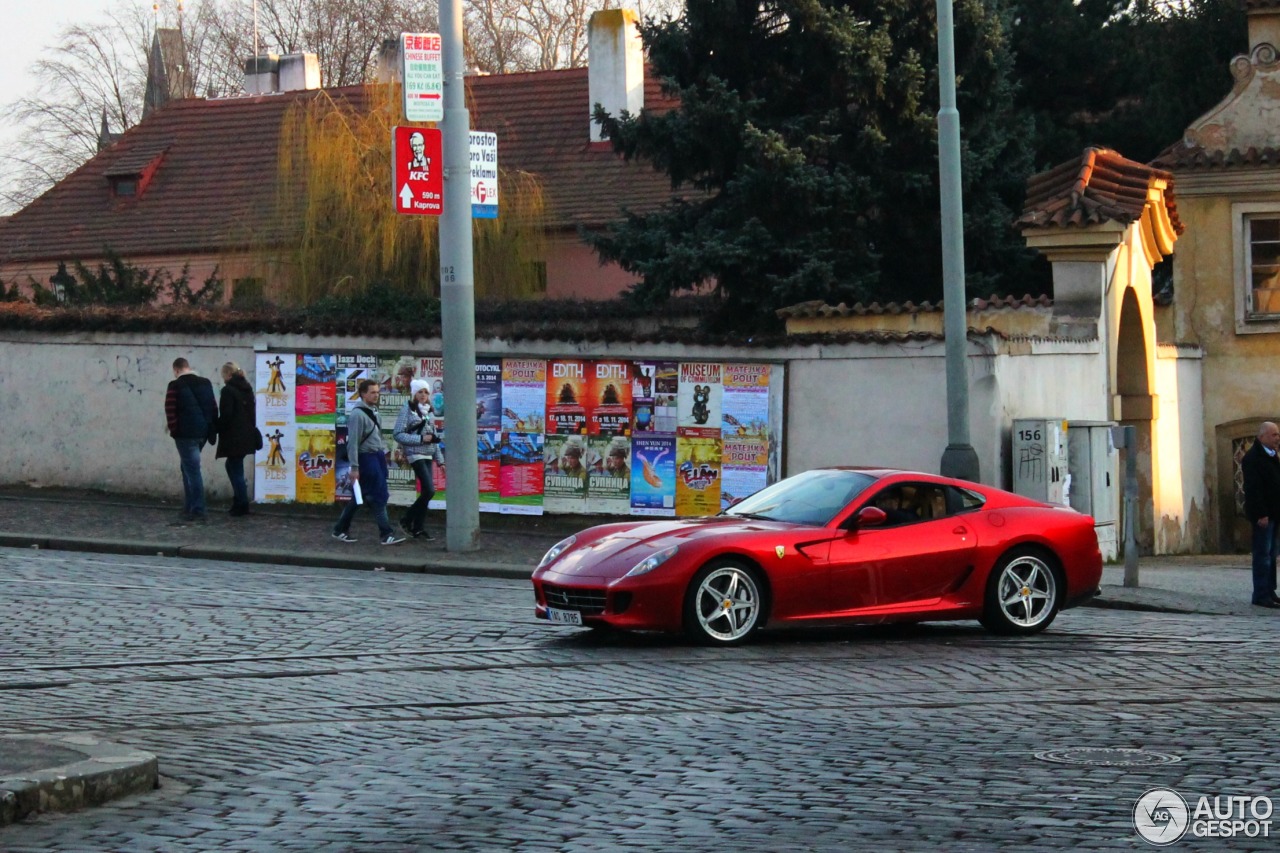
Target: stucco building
(1226,275)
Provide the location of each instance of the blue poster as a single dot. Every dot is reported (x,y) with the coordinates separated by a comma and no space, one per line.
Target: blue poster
(653,475)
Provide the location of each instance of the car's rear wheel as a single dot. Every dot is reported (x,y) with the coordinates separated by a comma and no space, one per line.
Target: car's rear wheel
(725,604)
(1023,593)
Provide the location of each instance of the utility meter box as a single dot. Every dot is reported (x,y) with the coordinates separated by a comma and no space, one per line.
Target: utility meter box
(1040,457)
(1094,466)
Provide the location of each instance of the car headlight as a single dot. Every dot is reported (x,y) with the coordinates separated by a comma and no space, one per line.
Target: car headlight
(556,550)
(652,561)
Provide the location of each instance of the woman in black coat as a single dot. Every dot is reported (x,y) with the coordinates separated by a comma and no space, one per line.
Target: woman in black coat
(237,432)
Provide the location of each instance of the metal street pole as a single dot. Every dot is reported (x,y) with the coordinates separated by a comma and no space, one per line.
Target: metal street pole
(959,459)
(457,296)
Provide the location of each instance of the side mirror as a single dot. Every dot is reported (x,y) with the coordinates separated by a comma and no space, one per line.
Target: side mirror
(869,516)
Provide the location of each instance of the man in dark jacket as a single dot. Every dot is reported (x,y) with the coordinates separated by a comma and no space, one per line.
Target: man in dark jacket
(192,414)
(1261,469)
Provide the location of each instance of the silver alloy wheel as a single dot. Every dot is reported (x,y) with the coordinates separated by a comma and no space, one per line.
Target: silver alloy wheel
(1027,591)
(727,604)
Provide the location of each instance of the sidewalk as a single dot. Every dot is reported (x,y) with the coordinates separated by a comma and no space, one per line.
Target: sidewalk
(85,771)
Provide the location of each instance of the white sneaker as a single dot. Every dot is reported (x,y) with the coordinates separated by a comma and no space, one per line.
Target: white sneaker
(392,539)
(344,537)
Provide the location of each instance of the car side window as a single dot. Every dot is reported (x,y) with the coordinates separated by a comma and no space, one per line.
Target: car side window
(907,503)
(963,500)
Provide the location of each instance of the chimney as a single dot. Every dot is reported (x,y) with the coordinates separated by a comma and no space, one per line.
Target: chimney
(299,71)
(615,69)
(386,67)
(262,74)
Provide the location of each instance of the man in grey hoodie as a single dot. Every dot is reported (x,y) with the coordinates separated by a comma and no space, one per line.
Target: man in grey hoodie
(368,457)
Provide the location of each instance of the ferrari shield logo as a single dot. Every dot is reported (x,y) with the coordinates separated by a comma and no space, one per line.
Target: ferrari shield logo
(779,550)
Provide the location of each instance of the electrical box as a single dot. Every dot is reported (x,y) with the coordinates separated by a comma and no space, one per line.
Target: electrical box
(1040,457)
(1094,466)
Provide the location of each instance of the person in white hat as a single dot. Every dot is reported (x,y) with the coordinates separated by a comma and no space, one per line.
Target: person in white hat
(416,434)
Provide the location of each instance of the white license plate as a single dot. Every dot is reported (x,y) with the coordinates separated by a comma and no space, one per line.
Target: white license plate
(564,617)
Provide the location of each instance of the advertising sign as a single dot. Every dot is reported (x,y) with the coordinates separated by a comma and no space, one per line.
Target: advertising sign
(417,170)
(484,175)
(422,70)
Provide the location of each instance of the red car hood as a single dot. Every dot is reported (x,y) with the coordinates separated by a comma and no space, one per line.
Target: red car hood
(611,551)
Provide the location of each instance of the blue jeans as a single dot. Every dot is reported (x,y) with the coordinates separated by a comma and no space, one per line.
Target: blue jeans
(192,481)
(1264,560)
(235,473)
(379,510)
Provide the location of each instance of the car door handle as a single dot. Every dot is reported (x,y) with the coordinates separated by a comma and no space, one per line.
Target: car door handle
(961,530)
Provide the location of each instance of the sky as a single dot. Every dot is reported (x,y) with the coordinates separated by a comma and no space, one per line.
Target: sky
(29,27)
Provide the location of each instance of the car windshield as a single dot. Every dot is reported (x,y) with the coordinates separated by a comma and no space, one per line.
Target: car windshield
(814,497)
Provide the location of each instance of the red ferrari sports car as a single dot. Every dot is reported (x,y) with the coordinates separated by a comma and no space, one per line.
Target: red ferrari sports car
(830,546)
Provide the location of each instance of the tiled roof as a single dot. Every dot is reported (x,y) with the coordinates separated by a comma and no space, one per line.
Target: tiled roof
(1098,187)
(1180,155)
(216,183)
(818,308)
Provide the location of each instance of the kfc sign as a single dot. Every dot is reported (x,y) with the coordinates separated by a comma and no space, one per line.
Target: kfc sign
(417,170)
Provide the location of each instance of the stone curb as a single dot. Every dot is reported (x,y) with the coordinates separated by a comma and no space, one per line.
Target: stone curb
(275,557)
(109,771)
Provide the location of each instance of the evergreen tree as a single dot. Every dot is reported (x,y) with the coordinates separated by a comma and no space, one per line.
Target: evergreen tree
(805,153)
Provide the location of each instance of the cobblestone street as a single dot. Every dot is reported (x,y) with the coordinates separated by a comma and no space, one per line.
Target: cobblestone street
(321,709)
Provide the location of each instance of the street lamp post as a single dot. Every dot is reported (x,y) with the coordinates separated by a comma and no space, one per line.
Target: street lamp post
(457,295)
(959,459)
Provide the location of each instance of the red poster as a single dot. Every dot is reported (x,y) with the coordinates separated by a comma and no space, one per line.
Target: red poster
(568,396)
(610,398)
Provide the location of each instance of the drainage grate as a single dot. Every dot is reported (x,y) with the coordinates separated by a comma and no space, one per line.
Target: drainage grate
(1107,757)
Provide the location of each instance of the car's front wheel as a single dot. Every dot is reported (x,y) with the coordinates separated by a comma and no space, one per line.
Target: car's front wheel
(725,604)
(1023,593)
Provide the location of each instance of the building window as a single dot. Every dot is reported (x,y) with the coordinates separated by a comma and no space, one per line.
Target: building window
(1262,264)
(124,187)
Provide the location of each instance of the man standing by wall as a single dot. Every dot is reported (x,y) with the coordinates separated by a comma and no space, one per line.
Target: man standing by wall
(192,413)
(1261,469)
(368,457)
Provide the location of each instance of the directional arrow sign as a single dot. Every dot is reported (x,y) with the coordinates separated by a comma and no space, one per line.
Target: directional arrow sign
(417,170)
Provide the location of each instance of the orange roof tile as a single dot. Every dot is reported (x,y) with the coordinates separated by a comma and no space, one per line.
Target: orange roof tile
(216,181)
(1099,186)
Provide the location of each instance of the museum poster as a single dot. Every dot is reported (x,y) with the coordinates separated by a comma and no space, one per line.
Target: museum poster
(699,398)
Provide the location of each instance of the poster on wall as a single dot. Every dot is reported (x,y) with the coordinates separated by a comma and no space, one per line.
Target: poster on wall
(431,371)
(698,466)
(349,370)
(745,402)
(654,385)
(564,483)
(341,467)
(274,387)
(567,396)
(439,477)
(524,395)
(521,474)
(489,457)
(699,399)
(610,409)
(273,474)
(653,475)
(745,471)
(488,394)
(609,477)
(315,393)
(316,468)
